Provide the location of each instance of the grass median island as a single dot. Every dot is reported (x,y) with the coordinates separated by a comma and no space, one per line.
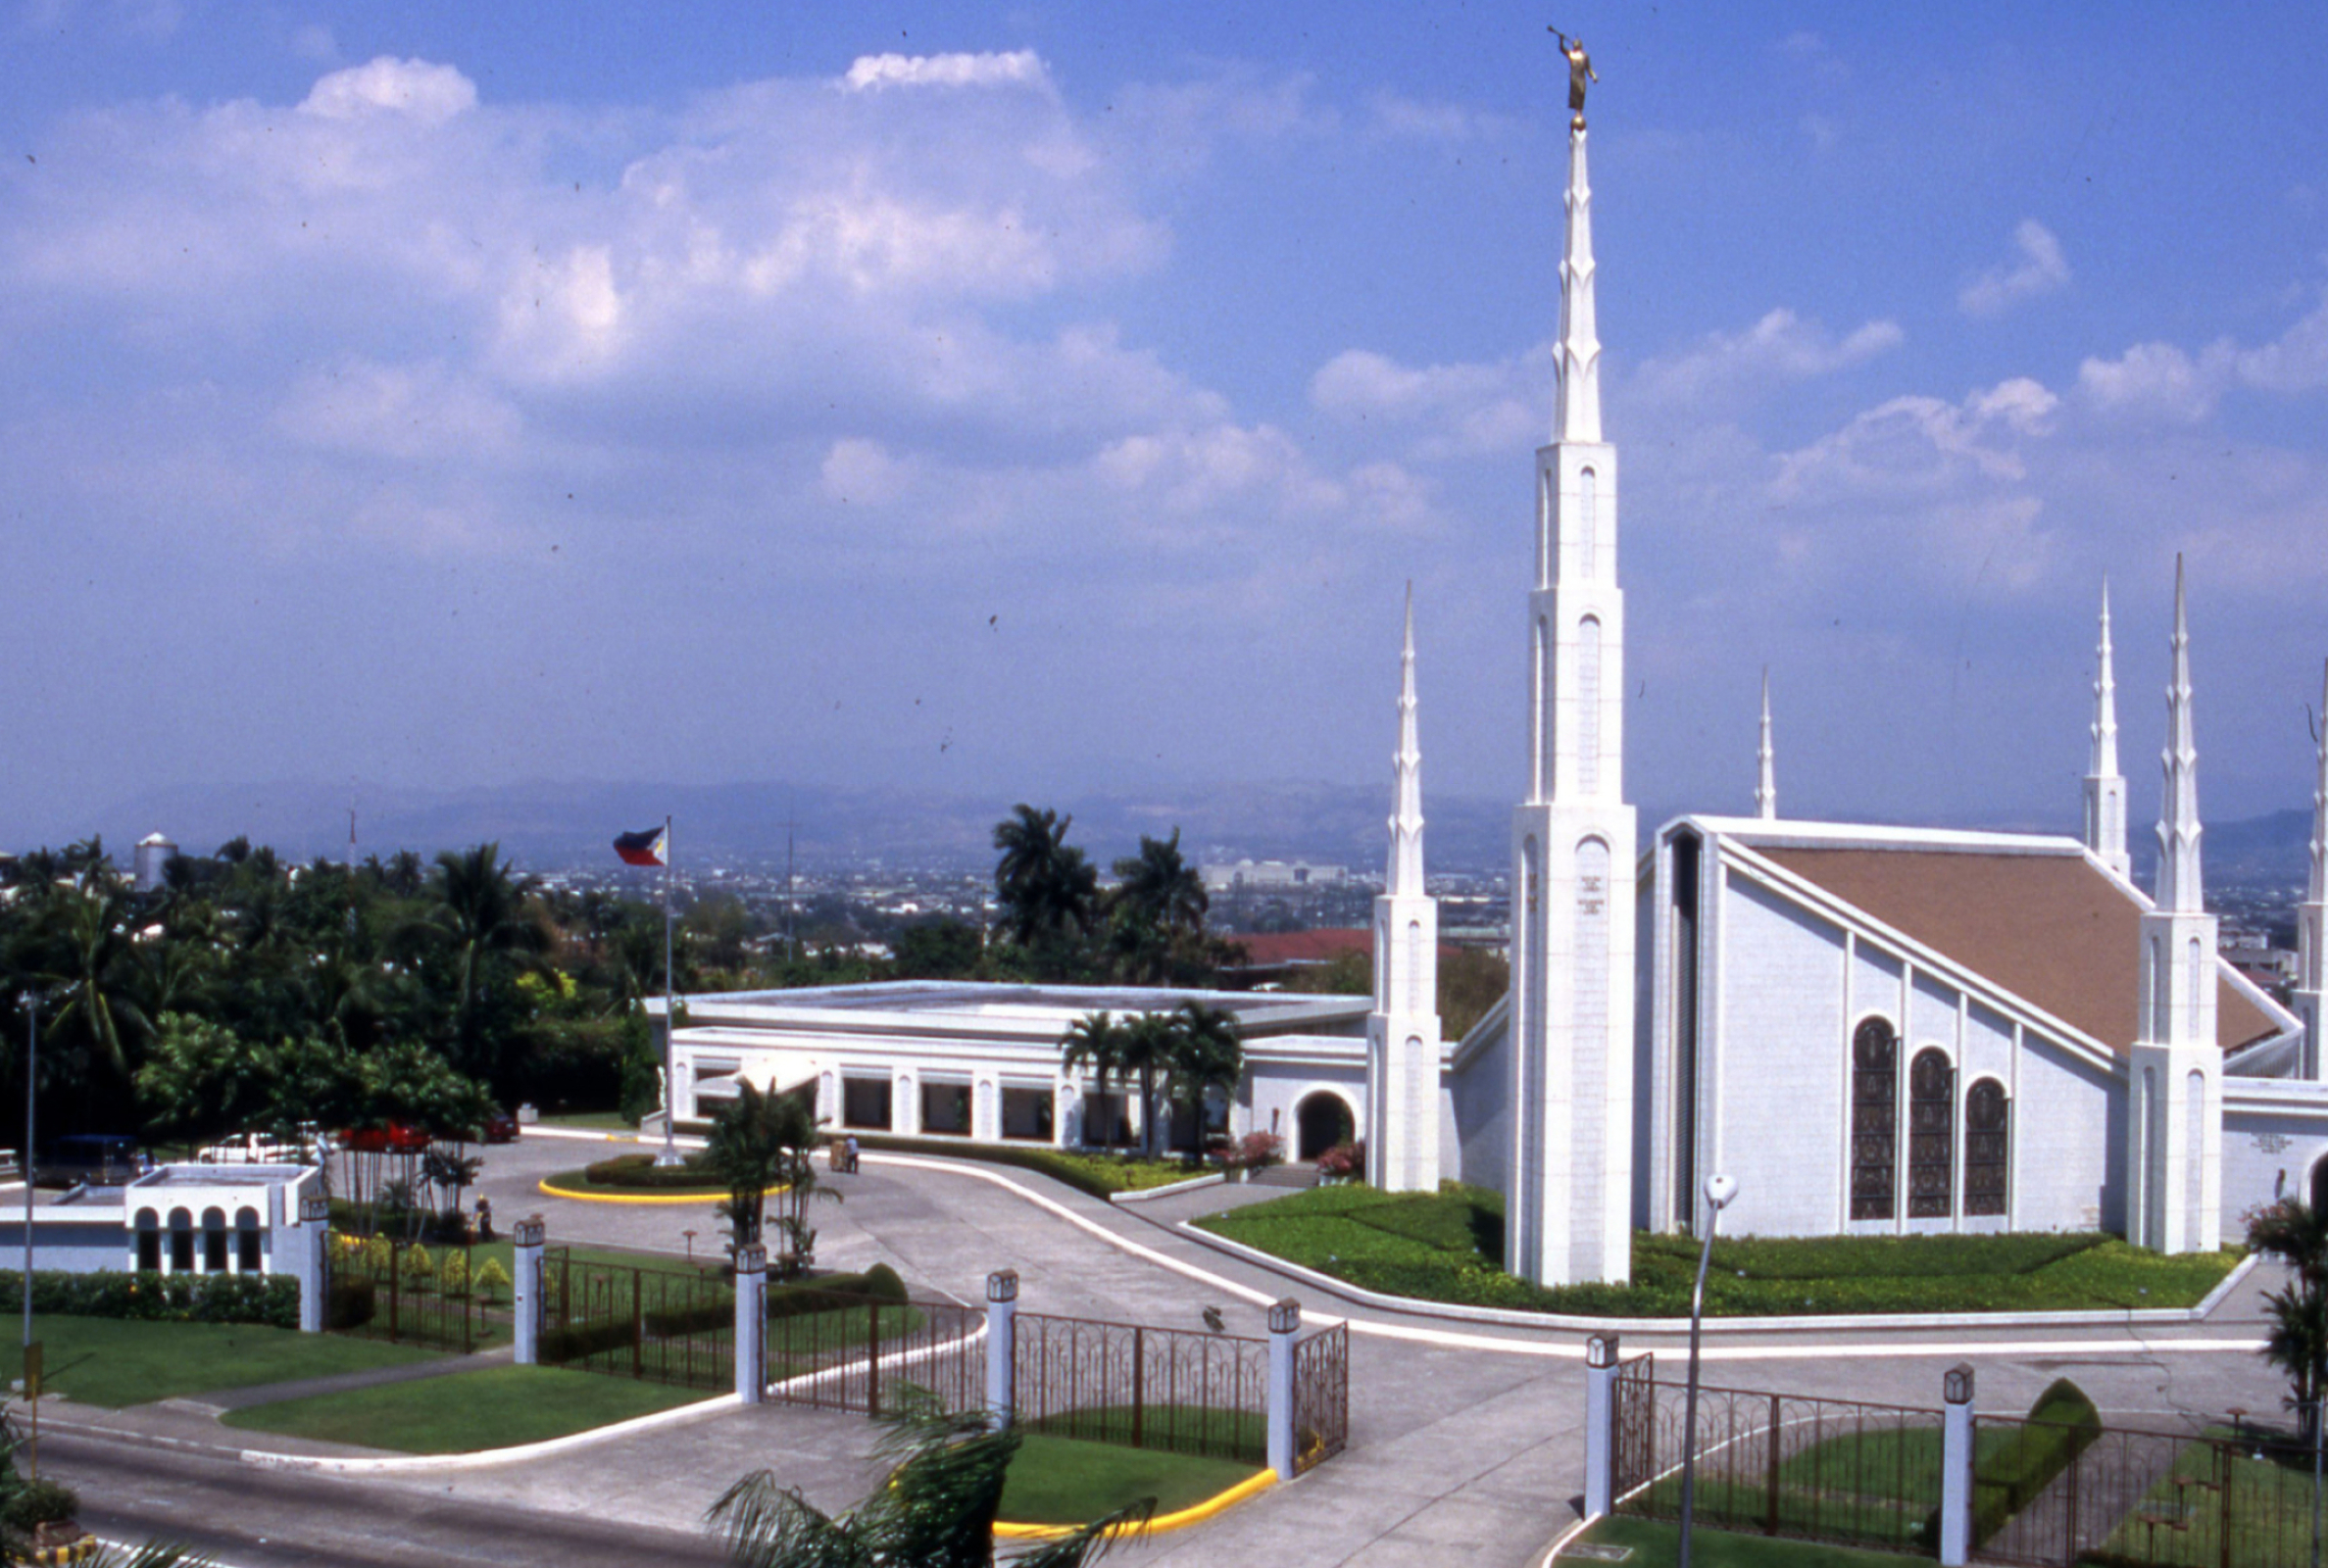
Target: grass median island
(1448,1246)
(638,1176)
(467,1412)
(1657,1545)
(1061,1480)
(113,1361)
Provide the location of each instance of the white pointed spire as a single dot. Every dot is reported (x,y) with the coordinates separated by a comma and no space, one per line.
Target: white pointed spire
(2181,887)
(1579,415)
(1765,793)
(2315,888)
(2104,786)
(1405,874)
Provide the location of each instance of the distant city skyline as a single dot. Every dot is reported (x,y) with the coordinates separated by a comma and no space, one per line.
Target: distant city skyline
(999,401)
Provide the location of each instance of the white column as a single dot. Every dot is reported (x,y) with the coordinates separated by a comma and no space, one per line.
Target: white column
(525,1253)
(1403,1032)
(1285,1321)
(1002,1346)
(1956,1468)
(315,1277)
(1600,1425)
(751,1323)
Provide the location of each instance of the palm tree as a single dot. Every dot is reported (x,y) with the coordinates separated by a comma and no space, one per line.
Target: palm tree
(1207,1055)
(87,966)
(1150,1039)
(1047,889)
(2297,1234)
(1158,909)
(1095,1041)
(760,1143)
(481,909)
(935,1510)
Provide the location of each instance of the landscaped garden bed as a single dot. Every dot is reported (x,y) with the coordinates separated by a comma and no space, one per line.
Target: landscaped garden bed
(1657,1545)
(1448,1246)
(1098,1175)
(467,1412)
(638,1176)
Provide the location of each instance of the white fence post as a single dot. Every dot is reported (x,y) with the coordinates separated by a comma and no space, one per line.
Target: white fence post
(1285,1321)
(1956,1468)
(751,1323)
(315,1239)
(1002,1346)
(1600,1425)
(525,1252)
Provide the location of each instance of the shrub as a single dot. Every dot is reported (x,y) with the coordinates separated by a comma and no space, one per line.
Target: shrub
(576,1340)
(1256,1150)
(711,1313)
(271,1300)
(1095,1175)
(420,1269)
(452,1276)
(640,1174)
(1343,1161)
(351,1304)
(40,1502)
(835,1292)
(493,1278)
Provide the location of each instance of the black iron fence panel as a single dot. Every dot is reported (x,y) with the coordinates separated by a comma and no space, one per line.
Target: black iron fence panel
(1634,1417)
(2149,1500)
(662,1324)
(1778,1464)
(873,1354)
(379,1287)
(1147,1388)
(1322,1397)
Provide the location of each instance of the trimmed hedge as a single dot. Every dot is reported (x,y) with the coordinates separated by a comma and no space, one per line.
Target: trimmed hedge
(638,1173)
(836,1291)
(2062,1424)
(350,1304)
(271,1300)
(576,1341)
(1095,1175)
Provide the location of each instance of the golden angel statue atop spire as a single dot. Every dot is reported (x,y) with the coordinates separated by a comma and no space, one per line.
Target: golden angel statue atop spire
(1580,71)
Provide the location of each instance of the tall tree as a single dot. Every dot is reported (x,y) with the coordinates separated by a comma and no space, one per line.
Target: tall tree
(1150,1039)
(1049,892)
(2295,1234)
(481,909)
(1208,1055)
(1156,912)
(760,1144)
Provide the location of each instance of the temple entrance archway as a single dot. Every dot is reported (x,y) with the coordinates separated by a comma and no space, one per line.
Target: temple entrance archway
(1321,1122)
(2317,1189)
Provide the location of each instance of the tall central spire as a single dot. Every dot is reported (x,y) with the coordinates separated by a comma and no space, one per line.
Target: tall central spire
(2104,786)
(1579,414)
(1765,793)
(2180,887)
(2312,916)
(1404,873)
(1568,1214)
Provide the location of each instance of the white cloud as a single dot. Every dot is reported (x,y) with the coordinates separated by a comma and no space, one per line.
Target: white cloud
(2039,267)
(2158,380)
(430,94)
(1921,444)
(1392,116)
(2297,361)
(1022,68)
(1725,367)
(863,472)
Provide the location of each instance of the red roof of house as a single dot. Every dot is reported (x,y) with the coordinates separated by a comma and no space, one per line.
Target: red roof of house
(1265,949)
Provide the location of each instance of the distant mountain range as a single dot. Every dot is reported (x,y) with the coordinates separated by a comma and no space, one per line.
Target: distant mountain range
(547,825)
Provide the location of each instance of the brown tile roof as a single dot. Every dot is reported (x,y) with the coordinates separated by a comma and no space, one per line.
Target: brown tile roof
(2050,928)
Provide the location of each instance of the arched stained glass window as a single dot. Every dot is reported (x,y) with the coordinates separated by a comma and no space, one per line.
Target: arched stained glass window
(1931,1136)
(1988,1147)
(1874,1119)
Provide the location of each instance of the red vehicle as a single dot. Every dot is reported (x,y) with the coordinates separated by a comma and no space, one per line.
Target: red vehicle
(501,1128)
(397,1138)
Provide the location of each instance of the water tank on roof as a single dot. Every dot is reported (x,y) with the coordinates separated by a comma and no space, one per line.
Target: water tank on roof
(154,852)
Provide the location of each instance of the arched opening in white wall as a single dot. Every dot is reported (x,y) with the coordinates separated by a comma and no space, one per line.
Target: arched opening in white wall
(248,1257)
(149,1242)
(1588,524)
(2317,1189)
(1931,1135)
(1321,1122)
(1874,1109)
(214,1241)
(181,1242)
(1988,1148)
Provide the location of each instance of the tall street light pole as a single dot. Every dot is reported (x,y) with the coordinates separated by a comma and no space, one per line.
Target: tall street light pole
(30,1003)
(1719,1190)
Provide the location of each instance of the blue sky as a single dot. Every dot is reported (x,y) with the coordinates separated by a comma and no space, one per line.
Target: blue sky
(1028,400)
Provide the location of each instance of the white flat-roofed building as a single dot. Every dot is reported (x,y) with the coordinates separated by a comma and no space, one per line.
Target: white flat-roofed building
(174,1219)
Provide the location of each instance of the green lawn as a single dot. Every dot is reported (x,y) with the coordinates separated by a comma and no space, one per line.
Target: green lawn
(465,1411)
(602,1121)
(1657,1545)
(1188,1425)
(1099,1175)
(113,1361)
(579,1180)
(2271,1511)
(1058,1481)
(1448,1246)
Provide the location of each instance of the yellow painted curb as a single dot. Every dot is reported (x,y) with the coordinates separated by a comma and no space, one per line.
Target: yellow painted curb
(1196,1514)
(636,1197)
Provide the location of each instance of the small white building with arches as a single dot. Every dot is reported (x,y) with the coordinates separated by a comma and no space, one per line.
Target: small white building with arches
(174,1219)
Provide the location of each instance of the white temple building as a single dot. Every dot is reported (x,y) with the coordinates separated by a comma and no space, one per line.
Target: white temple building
(1876,1030)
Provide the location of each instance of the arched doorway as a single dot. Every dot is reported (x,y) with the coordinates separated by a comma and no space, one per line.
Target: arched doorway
(1321,1122)
(2317,1196)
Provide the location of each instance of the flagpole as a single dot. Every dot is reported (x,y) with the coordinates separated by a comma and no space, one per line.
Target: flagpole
(671,1014)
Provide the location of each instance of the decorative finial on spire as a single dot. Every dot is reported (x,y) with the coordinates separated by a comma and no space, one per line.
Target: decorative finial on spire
(2181,887)
(1580,71)
(1406,825)
(1765,795)
(2104,786)
(1579,415)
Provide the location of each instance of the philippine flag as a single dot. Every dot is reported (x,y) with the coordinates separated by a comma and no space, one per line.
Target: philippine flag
(651,847)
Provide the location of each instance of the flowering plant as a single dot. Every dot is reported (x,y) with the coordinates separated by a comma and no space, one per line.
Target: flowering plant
(1343,1161)
(1254,1151)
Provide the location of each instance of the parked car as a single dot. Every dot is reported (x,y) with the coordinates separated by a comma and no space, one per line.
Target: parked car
(252,1148)
(106,1160)
(501,1128)
(397,1138)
